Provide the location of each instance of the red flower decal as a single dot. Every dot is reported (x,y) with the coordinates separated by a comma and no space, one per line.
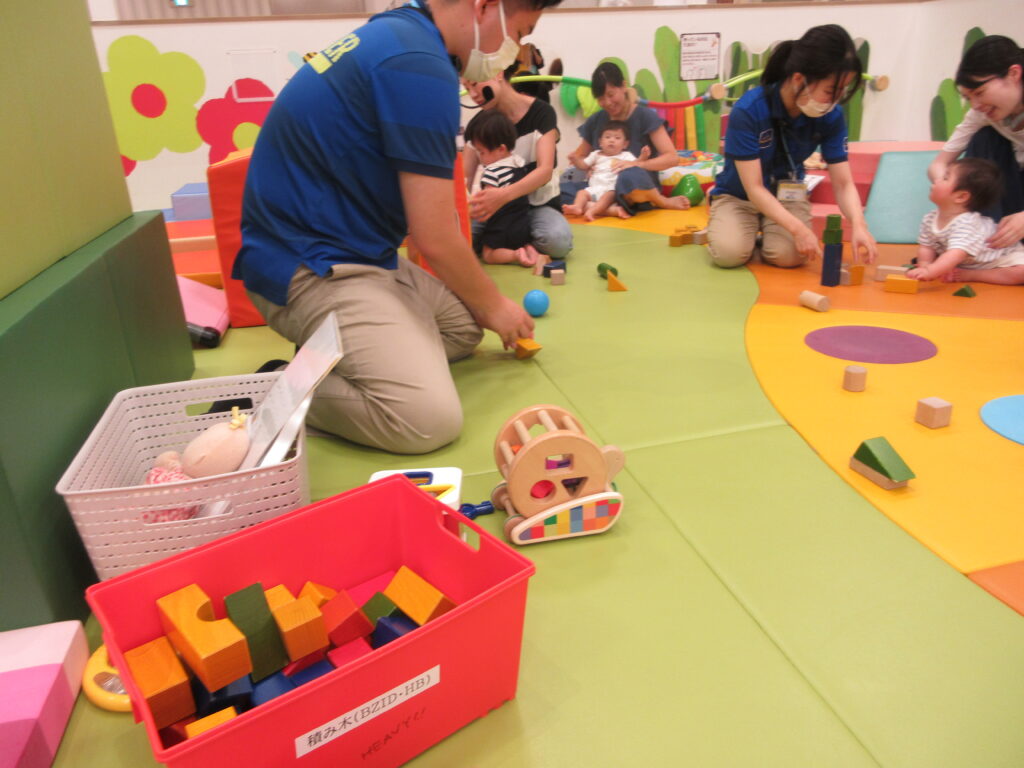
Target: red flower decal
(232,123)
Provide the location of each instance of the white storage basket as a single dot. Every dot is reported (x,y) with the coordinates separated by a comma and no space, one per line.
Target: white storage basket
(103,489)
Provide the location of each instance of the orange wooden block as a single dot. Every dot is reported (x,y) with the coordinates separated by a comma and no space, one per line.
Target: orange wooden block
(162,680)
(614,284)
(527,348)
(416,597)
(856,274)
(210,721)
(278,596)
(215,649)
(898,284)
(318,593)
(345,620)
(302,627)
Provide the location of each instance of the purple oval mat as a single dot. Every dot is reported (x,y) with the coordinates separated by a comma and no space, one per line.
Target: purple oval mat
(870,344)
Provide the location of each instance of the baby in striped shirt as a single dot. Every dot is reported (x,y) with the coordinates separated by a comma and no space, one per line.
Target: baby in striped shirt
(953,241)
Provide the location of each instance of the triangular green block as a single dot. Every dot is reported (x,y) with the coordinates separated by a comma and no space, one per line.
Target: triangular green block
(878,454)
(965,291)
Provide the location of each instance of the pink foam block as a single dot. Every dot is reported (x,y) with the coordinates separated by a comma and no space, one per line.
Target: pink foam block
(204,305)
(61,643)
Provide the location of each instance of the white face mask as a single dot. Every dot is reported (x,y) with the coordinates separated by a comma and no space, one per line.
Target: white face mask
(486,66)
(816,108)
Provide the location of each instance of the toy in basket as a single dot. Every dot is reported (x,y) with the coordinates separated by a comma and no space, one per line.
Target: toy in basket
(558,484)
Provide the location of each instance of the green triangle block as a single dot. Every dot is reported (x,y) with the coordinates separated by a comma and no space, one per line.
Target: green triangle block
(965,291)
(378,606)
(878,454)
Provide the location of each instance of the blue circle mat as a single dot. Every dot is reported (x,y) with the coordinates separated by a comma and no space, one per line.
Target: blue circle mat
(1005,416)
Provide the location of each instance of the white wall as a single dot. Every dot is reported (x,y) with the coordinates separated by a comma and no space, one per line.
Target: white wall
(916,43)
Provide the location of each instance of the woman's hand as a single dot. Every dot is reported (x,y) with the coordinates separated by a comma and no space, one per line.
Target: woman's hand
(921,273)
(1010,231)
(484,203)
(862,240)
(806,243)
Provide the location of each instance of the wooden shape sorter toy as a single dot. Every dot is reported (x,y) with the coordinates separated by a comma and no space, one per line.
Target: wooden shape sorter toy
(558,484)
(215,649)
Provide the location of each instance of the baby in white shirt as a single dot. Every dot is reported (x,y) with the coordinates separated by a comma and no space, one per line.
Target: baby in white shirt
(604,164)
(953,241)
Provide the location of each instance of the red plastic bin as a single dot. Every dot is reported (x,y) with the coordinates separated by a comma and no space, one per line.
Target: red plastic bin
(385,707)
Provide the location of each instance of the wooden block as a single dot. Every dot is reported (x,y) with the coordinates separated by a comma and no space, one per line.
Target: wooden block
(302,627)
(933,412)
(210,721)
(882,271)
(391,628)
(552,265)
(558,277)
(899,284)
(345,621)
(815,301)
(614,284)
(162,680)
(278,596)
(855,378)
(879,455)
(417,598)
(876,477)
(249,609)
(527,348)
(856,273)
(377,606)
(318,593)
(966,291)
(341,656)
(215,649)
(675,241)
(307,661)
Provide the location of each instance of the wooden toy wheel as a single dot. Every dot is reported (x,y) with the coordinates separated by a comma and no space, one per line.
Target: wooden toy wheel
(516,430)
(555,468)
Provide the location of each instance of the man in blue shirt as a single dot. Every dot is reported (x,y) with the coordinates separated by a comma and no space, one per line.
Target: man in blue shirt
(357,151)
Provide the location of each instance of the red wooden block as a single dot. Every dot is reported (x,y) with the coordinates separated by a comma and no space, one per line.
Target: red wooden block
(344,619)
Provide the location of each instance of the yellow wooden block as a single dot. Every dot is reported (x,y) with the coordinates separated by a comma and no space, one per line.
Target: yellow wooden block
(856,274)
(162,680)
(416,597)
(898,284)
(215,649)
(318,593)
(210,721)
(278,596)
(614,284)
(302,627)
(527,348)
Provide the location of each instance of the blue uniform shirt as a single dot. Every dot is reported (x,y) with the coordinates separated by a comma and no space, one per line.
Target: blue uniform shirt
(322,186)
(754,123)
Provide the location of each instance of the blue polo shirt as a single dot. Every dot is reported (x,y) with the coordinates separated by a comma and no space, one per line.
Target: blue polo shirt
(322,186)
(754,124)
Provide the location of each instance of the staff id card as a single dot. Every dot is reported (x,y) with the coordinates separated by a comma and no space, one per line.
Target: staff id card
(791,191)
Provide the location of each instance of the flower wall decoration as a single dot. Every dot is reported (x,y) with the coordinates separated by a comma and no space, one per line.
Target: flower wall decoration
(233,122)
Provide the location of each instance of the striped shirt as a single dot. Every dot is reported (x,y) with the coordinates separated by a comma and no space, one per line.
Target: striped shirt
(968,233)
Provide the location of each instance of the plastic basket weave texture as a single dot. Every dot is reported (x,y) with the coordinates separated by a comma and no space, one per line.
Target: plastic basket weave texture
(102,486)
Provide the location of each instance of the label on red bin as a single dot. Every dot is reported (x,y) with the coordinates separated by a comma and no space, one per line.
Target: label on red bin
(362,714)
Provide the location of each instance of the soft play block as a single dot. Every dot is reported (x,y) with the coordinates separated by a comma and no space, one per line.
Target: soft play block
(152,320)
(40,674)
(899,196)
(204,305)
(64,182)
(213,648)
(62,340)
(191,202)
(227,182)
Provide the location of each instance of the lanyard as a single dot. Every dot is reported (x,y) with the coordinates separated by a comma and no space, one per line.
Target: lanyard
(780,131)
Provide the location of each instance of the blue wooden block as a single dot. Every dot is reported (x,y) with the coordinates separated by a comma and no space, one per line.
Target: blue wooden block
(312,672)
(832,264)
(391,628)
(553,265)
(270,688)
(192,202)
(237,694)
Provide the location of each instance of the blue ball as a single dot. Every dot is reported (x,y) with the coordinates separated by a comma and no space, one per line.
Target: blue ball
(536,302)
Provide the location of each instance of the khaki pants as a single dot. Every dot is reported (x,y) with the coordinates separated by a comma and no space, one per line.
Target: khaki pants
(733,228)
(399,329)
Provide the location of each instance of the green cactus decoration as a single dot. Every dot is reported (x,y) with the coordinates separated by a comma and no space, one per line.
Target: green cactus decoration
(948,108)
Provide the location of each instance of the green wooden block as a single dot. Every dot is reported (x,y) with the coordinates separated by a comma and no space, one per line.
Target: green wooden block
(878,454)
(965,291)
(248,609)
(832,236)
(378,606)
(603,270)
(834,221)
(138,256)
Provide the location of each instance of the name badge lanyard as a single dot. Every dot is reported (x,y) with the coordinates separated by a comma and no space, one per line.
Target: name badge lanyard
(780,131)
